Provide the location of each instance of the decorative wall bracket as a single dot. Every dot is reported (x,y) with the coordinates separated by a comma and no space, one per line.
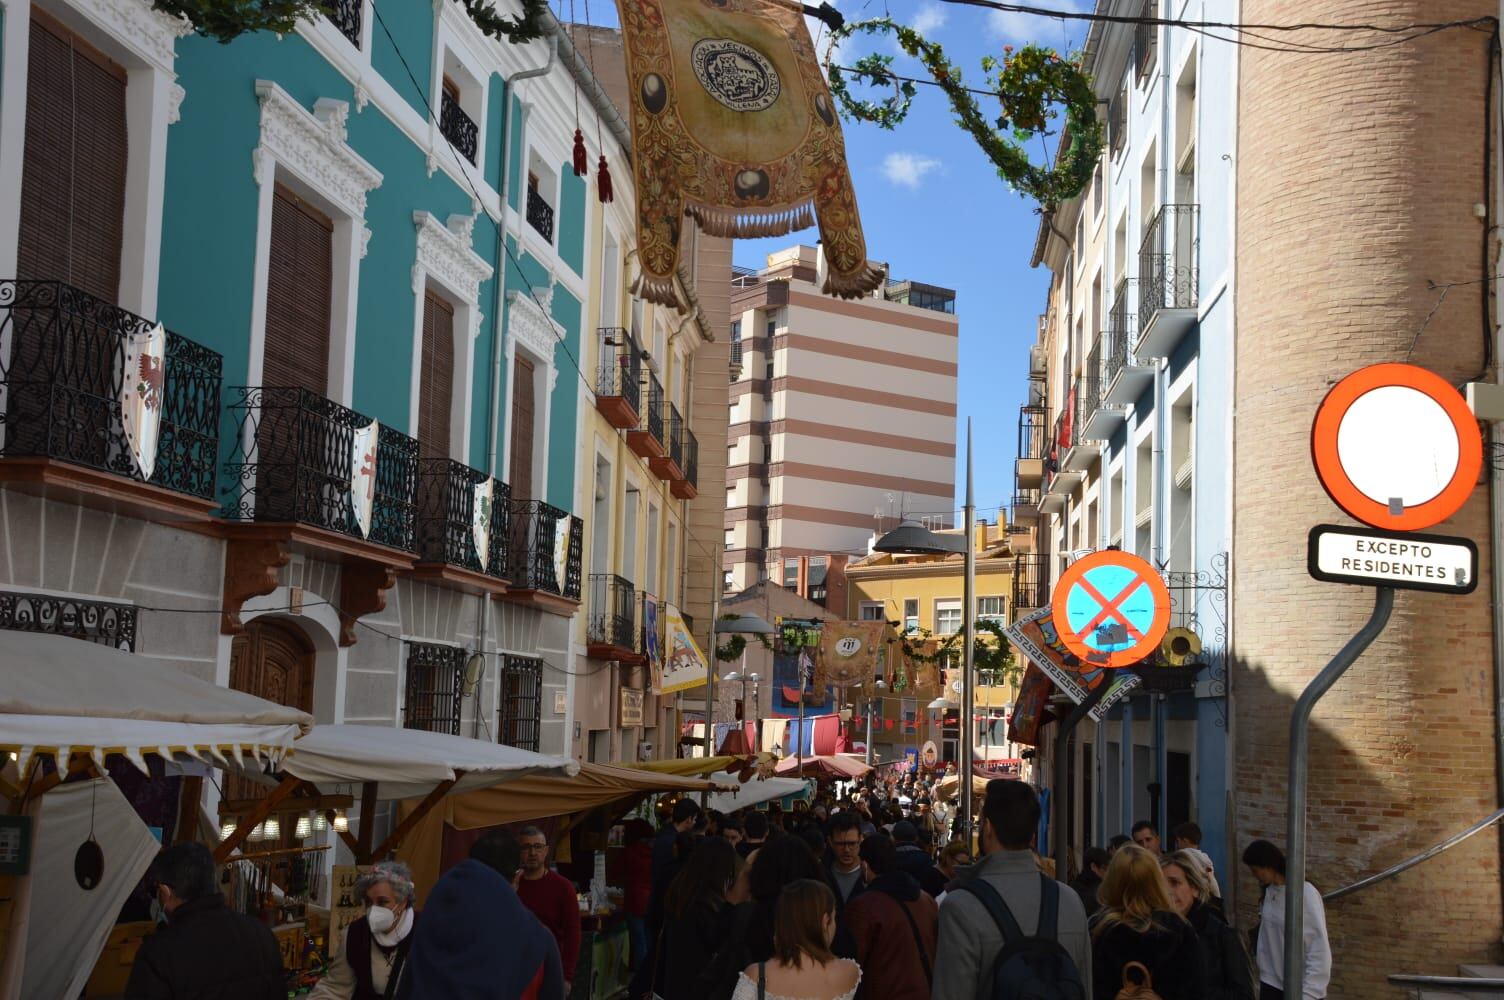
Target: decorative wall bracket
(251,570)
(362,591)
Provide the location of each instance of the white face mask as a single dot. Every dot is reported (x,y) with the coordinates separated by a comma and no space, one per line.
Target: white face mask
(381,919)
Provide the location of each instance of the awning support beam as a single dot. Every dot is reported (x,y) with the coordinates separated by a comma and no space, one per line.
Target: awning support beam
(394,839)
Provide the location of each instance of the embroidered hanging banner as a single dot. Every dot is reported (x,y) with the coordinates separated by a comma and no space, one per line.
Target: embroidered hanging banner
(561,550)
(480,521)
(684,666)
(363,475)
(141,384)
(733,125)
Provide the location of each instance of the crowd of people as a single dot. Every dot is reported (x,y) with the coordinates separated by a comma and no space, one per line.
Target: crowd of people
(865,896)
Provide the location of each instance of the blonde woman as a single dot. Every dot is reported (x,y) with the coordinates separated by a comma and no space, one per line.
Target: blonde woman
(1228,971)
(1137,924)
(803,966)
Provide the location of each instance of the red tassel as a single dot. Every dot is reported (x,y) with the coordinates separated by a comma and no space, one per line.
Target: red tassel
(603,181)
(581,161)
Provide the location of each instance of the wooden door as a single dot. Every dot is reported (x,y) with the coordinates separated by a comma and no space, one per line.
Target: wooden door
(73,171)
(272,660)
(299,290)
(522,430)
(436,378)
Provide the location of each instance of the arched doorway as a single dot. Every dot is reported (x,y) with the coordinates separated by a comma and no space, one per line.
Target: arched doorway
(271,659)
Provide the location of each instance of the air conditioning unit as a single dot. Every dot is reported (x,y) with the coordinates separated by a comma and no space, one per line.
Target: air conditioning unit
(644,750)
(1037,359)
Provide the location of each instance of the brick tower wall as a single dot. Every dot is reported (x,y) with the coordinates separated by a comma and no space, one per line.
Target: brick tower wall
(1357,178)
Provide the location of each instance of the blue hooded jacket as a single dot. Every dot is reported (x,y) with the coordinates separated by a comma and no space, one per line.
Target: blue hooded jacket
(477,941)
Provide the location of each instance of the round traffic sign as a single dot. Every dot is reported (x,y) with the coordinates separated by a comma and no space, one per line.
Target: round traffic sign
(1396,447)
(1111,609)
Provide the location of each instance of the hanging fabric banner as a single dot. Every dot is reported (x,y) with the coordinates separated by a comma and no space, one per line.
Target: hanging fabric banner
(685,665)
(480,520)
(1035,635)
(849,651)
(141,385)
(733,125)
(561,549)
(363,474)
(650,642)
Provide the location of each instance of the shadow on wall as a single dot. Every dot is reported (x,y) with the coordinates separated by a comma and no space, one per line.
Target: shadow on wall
(1363,817)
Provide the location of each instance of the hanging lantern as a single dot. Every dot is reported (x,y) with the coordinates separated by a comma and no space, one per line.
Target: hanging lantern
(304,828)
(271,829)
(341,822)
(227,829)
(320,823)
(257,832)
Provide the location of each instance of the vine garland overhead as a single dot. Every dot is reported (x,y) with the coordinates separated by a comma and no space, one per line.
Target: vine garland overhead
(227,20)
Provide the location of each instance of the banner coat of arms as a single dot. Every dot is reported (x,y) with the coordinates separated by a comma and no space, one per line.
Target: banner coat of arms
(734,127)
(363,474)
(141,387)
(480,520)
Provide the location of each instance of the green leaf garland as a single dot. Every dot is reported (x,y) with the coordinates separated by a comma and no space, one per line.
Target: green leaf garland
(1032,85)
(226,20)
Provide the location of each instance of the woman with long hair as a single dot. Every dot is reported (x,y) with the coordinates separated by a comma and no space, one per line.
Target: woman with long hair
(697,920)
(1267,864)
(1137,935)
(802,966)
(784,860)
(1223,956)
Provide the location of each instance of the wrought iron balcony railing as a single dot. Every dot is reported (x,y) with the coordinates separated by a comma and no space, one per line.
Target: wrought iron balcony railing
(545,549)
(1033,431)
(451,528)
(613,612)
(459,128)
(1121,329)
(675,442)
(652,414)
(66,356)
(1031,582)
(691,458)
(1088,398)
(1168,262)
(294,461)
(540,215)
(345,15)
(620,370)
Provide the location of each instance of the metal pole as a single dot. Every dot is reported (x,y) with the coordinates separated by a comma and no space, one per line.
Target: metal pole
(1300,738)
(1058,797)
(969,625)
(799,744)
(714,664)
(869,732)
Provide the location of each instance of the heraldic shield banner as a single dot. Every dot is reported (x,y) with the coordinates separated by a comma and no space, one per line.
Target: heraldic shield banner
(141,385)
(733,125)
(363,474)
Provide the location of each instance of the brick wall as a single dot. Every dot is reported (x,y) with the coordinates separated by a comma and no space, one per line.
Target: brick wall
(1357,176)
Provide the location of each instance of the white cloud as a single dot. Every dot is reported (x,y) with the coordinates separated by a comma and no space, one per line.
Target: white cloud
(907,169)
(1017,28)
(931,17)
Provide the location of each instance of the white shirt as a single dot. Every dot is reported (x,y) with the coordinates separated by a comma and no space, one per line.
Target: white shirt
(1318,950)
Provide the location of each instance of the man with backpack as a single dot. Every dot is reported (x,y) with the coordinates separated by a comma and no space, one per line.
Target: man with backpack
(1006,930)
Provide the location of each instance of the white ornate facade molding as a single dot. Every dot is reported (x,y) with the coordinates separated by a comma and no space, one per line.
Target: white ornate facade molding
(313,146)
(139,26)
(445,252)
(175,95)
(531,327)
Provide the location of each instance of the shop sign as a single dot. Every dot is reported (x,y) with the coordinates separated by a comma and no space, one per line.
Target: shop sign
(1399,559)
(631,706)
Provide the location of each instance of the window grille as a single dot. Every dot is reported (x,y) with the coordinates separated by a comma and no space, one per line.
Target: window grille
(100,622)
(435,683)
(521,702)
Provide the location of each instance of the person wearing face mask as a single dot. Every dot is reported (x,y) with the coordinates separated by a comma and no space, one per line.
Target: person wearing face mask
(205,948)
(370,965)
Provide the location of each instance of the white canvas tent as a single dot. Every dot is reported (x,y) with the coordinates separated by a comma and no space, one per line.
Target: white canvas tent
(736,796)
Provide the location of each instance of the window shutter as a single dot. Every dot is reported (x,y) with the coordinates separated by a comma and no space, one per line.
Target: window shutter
(522,430)
(73,175)
(300,287)
(436,380)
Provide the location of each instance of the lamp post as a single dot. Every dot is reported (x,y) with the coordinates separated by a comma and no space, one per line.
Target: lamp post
(730,625)
(744,678)
(877,689)
(914,539)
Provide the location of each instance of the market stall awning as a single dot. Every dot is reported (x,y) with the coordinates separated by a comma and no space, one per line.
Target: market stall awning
(754,793)
(404,763)
(836,766)
(748,764)
(62,695)
(528,799)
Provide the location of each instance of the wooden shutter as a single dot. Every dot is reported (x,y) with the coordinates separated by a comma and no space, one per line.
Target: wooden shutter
(299,289)
(522,430)
(436,379)
(73,172)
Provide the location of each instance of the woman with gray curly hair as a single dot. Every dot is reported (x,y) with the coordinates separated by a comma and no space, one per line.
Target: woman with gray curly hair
(369,966)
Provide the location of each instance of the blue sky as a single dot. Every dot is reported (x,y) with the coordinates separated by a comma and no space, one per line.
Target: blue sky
(933,207)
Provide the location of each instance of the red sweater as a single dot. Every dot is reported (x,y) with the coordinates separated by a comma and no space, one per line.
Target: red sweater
(553,901)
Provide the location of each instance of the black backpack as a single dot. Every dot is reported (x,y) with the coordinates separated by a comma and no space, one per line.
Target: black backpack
(1029,968)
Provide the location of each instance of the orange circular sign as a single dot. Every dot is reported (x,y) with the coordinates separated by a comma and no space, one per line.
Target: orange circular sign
(1397,447)
(1111,609)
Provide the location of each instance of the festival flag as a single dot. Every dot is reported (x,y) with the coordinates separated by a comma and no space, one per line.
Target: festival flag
(561,550)
(480,520)
(363,474)
(849,651)
(1035,635)
(684,666)
(734,126)
(650,642)
(144,370)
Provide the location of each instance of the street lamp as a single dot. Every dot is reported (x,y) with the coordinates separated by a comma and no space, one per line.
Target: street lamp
(730,625)
(756,729)
(910,538)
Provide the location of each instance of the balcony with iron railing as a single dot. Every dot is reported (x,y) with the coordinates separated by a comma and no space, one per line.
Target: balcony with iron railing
(540,215)
(1033,440)
(463,526)
(546,547)
(611,629)
(1025,507)
(1061,476)
(1169,276)
(1124,376)
(670,467)
(647,440)
(99,404)
(1031,582)
(618,379)
(1082,448)
(459,128)
(687,486)
(1102,417)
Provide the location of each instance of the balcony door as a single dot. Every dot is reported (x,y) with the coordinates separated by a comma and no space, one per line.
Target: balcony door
(523,416)
(73,174)
(436,380)
(300,288)
(272,660)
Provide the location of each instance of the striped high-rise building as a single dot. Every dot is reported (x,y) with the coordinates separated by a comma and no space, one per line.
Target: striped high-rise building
(843,415)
